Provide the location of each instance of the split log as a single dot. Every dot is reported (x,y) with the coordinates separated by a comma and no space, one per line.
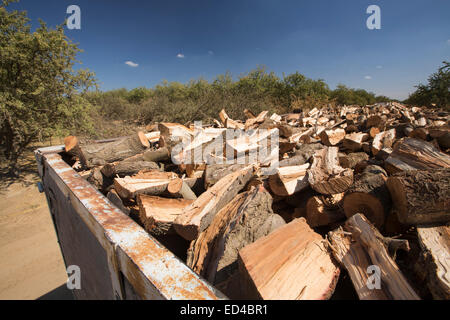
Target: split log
(95,154)
(179,188)
(414,154)
(215,172)
(369,196)
(117,201)
(254,121)
(382,140)
(228,122)
(153,137)
(129,187)
(353,141)
(157,214)
(127,168)
(198,216)
(373,132)
(360,248)
(289,180)
(435,243)
(332,137)
(291,263)
(326,176)
(421,197)
(172,134)
(246,218)
(323,210)
(352,159)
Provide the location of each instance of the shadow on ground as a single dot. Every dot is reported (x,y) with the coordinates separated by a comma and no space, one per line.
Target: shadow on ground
(26,174)
(60,293)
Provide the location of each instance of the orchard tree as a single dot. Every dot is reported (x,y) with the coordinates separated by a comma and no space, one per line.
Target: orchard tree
(40,93)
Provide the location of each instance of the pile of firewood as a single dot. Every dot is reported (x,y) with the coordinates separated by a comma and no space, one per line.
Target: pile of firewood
(359,195)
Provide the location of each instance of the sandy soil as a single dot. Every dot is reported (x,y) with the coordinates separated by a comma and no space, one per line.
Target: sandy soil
(31,264)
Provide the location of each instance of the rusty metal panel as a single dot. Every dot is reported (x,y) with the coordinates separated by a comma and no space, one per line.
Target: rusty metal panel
(133,257)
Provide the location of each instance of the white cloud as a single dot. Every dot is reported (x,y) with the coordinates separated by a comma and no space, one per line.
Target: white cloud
(379,67)
(180,55)
(368,77)
(210,52)
(131,64)
(448,41)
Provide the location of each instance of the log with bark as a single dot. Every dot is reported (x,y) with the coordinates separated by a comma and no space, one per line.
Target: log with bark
(113,196)
(362,250)
(215,172)
(246,218)
(421,197)
(352,159)
(324,210)
(291,263)
(198,216)
(383,140)
(326,176)
(157,214)
(97,154)
(369,196)
(127,168)
(415,154)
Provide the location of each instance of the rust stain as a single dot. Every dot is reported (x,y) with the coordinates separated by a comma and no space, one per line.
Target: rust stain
(175,280)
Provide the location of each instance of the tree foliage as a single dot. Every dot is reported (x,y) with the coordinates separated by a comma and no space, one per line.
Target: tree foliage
(40,93)
(436,92)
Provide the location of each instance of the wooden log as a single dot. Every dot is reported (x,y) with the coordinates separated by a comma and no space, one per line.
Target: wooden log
(353,141)
(127,168)
(373,132)
(198,216)
(332,137)
(415,154)
(99,180)
(369,196)
(246,218)
(421,197)
(382,140)
(291,263)
(158,155)
(157,214)
(129,187)
(289,180)
(228,122)
(435,243)
(172,134)
(323,210)
(374,121)
(179,188)
(326,176)
(352,159)
(96,154)
(215,172)
(117,201)
(360,246)
(153,136)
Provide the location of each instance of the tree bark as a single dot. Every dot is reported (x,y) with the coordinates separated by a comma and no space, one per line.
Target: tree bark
(421,197)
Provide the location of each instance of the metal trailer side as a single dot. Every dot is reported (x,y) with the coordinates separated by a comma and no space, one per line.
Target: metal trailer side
(118,259)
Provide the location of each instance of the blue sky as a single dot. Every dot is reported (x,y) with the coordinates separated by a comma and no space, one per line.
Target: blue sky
(188,39)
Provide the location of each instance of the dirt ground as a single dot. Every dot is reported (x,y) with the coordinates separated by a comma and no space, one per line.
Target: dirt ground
(31,264)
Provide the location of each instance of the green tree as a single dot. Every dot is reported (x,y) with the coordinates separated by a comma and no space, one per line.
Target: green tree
(436,92)
(41,95)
